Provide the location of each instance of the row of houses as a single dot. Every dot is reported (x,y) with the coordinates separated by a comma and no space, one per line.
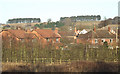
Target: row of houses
(45,36)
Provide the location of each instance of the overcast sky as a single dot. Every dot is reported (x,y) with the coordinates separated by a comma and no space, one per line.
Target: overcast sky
(55,9)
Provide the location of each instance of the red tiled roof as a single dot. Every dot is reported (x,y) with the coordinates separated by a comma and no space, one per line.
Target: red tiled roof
(47,33)
(29,35)
(43,32)
(20,33)
(17,33)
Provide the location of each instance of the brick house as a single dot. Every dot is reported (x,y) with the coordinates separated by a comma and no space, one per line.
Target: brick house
(17,36)
(48,36)
(98,37)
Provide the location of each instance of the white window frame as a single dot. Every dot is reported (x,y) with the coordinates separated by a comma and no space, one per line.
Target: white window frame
(103,40)
(96,40)
(57,40)
(47,39)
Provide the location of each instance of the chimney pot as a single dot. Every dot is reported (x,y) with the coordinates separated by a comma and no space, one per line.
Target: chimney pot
(94,29)
(56,30)
(109,29)
(75,30)
(28,31)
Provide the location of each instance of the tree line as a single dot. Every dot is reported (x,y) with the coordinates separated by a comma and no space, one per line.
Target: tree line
(33,51)
(24,20)
(82,18)
(49,25)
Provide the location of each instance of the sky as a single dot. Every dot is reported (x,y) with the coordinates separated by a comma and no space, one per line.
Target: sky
(54,9)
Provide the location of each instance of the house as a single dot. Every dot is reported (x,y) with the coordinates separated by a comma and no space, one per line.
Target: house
(78,32)
(18,34)
(98,37)
(48,36)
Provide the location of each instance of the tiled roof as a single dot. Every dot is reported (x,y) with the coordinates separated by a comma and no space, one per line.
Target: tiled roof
(43,32)
(98,34)
(17,33)
(47,33)
(66,33)
(20,33)
(29,35)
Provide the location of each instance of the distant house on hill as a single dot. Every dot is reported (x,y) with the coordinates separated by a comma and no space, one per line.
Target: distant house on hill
(110,21)
(113,27)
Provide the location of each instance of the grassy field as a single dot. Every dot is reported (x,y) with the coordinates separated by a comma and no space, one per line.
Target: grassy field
(77,66)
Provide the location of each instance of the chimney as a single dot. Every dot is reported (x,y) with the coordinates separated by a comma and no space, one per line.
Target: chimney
(28,30)
(75,30)
(94,29)
(109,29)
(56,30)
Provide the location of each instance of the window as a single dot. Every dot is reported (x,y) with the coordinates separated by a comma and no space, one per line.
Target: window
(34,40)
(22,40)
(103,40)
(96,40)
(111,40)
(47,39)
(57,40)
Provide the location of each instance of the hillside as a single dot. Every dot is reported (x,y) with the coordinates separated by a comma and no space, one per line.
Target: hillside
(87,24)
